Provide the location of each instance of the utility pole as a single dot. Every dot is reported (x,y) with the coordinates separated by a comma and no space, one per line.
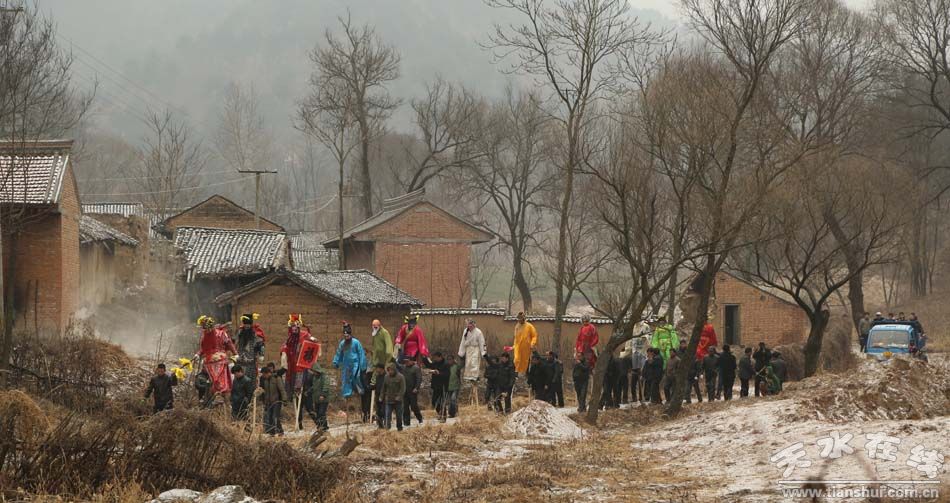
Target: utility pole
(257,192)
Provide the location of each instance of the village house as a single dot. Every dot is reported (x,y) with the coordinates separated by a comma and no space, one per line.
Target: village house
(416,246)
(107,260)
(213,261)
(324,299)
(132,220)
(308,253)
(746,314)
(217,212)
(40,208)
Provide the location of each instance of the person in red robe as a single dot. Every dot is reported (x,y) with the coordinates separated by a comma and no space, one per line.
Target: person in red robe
(707,338)
(215,350)
(411,342)
(290,351)
(587,339)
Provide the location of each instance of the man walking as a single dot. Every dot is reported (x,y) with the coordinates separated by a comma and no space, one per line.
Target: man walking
(506,379)
(274,396)
(727,371)
(382,345)
(746,372)
(669,379)
(320,395)
(242,392)
(637,360)
(581,376)
(864,329)
(762,356)
(711,372)
(557,379)
(394,389)
(161,386)
(653,374)
(412,378)
(539,378)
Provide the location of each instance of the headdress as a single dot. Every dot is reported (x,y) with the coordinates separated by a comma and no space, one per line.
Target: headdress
(249,318)
(411,318)
(205,320)
(295,319)
(347,329)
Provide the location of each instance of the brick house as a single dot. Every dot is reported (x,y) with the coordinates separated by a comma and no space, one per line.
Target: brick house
(40,207)
(416,246)
(106,261)
(216,212)
(130,219)
(747,313)
(213,261)
(324,299)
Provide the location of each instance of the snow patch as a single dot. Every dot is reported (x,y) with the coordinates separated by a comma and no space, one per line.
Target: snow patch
(541,420)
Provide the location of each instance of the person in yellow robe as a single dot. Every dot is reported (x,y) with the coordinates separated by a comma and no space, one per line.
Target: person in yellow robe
(526,338)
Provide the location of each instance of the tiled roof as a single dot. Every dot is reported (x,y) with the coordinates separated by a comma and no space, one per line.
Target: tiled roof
(391,209)
(33,172)
(94,231)
(451,311)
(218,253)
(356,288)
(124,209)
(309,254)
(596,320)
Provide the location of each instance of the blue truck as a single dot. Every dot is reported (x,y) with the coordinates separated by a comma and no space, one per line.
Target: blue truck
(890,338)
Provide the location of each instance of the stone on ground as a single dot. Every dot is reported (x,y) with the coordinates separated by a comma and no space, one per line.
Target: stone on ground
(541,420)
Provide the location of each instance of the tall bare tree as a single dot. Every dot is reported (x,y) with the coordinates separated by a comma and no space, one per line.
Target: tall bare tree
(37,101)
(449,120)
(752,145)
(243,139)
(361,65)
(513,177)
(171,162)
(328,115)
(571,48)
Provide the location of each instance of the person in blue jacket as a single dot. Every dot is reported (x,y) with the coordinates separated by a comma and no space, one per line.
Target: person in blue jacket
(350,358)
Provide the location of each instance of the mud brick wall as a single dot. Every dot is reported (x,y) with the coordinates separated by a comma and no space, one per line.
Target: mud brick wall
(762,316)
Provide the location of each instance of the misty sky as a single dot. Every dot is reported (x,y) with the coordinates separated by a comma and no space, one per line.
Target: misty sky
(184,53)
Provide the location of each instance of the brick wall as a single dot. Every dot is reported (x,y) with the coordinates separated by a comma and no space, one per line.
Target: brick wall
(34,254)
(424,222)
(438,274)
(359,255)
(762,316)
(70,212)
(274,303)
(97,269)
(219,213)
(131,262)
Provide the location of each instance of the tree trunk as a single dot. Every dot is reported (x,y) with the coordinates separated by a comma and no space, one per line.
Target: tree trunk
(342,229)
(917,258)
(816,334)
(6,345)
(853,260)
(619,337)
(366,197)
(560,306)
(702,316)
(521,283)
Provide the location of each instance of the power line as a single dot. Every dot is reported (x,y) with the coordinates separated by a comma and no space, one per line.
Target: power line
(309,208)
(202,173)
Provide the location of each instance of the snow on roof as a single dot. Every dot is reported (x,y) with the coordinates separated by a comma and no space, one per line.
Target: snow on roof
(216,253)
(309,254)
(359,288)
(33,172)
(94,231)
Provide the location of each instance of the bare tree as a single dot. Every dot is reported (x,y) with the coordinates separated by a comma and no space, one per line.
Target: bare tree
(750,138)
(327,115)
(171,162)
(571,48)
(806,256)
(37,101)
(361,65)
(513,177)
(449,121)
(243,139)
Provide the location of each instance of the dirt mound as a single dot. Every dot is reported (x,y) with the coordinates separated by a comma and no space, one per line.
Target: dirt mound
(897,389)
(541,420)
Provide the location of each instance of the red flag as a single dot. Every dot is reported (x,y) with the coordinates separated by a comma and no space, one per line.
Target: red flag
(309,352)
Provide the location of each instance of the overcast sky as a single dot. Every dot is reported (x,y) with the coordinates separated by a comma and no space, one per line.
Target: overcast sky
(184,53)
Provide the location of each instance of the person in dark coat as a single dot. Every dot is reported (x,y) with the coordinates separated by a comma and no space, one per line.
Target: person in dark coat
(610,381)
(160,387)
(779,368)
(581,376)
(653,374)
(539,378)
(670,375)
(410,403)
(746,372)
(557,379)
(320,395)
(492,392)
(274,397)
(762,356)
(727,371)
(203,388)
(394,391)
(695,369)
(711,372)
(242,392)
(366,399)
(506,379)
(620,375)
(440,383)
(378,381)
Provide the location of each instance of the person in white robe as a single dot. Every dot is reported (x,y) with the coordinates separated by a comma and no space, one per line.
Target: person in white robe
(472,348)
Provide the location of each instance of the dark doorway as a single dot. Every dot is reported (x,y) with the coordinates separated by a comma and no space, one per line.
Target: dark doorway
(732,326)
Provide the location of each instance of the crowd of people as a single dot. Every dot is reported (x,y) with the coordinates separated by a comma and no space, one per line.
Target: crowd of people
(383,380)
